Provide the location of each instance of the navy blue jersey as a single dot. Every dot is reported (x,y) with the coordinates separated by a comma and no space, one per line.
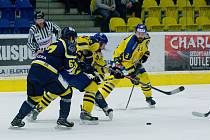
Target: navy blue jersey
(58,56)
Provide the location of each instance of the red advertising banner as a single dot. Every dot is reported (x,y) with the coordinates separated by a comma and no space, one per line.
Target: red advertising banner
(187,52)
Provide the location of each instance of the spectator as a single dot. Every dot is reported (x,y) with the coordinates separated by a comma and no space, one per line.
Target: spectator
(158,2)
(107,9)
(131,7)
(208,2)
(83,6)
(121,8)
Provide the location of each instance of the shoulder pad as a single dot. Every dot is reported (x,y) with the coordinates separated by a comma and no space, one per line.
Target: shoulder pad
(127,37)
(147,36)
(93,39)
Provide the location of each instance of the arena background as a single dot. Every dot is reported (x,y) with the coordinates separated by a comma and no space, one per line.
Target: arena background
(177,58)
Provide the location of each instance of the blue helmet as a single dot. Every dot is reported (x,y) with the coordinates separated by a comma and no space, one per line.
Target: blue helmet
(141,28)
(101,38)
(68,33)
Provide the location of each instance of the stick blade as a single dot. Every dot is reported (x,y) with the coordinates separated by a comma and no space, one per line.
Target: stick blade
(175,91)
(198,114)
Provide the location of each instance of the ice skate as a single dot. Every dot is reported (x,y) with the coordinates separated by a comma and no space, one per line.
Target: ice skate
(63,123)
(17,123)
(86,118)
(32,116)
(108,112)
(151,102)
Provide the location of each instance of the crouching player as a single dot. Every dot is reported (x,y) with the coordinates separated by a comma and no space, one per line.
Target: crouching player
(44,76)
(128,59)
(90,51)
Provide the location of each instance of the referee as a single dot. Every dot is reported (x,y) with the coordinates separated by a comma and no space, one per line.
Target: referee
(42,34)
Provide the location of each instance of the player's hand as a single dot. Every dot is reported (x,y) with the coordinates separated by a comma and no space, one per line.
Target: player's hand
(117,72)
(39,51)
(97,79)
(86,68)
(135,81)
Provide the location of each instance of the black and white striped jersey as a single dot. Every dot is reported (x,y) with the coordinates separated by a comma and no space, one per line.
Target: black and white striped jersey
(40,38)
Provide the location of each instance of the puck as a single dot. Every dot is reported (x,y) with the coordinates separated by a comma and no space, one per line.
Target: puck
(148,123)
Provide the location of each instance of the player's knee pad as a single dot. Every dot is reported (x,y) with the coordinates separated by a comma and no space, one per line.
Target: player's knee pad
(67,94)
(144,77)
(92,87)
(66,97)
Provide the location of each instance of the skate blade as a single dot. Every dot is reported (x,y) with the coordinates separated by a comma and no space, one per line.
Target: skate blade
(29,119)
(61,127)
(151,106)
(15,127)
(86,122)
(111,116)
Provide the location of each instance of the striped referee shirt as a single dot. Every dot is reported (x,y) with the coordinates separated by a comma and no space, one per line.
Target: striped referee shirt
(40,38)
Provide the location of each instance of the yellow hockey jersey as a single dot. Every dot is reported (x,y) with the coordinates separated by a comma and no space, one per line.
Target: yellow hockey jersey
(91,44)
(87,43)
(130,51)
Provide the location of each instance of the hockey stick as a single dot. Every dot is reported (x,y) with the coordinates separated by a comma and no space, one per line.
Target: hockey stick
(198,114)
(175,91)
(129,97)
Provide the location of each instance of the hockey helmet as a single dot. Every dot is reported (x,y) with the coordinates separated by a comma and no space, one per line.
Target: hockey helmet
(141,28)
(69,33)
(102,38)
(39,15)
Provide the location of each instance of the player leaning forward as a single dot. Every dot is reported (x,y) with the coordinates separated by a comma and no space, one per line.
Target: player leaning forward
(128,59)
(44,75)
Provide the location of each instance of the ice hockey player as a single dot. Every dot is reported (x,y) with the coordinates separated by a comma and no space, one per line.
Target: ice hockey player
(89,51)
(90,47)
(44,76)
(128,59)
(41,35)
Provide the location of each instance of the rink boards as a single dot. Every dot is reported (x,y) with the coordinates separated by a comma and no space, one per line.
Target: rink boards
(177,58)
(157,79)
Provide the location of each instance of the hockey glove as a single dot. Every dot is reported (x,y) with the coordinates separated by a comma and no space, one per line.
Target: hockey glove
(97,79)
(137,70)
(117,72)
(88,57)
(86,68)
(145,56)
(135,81)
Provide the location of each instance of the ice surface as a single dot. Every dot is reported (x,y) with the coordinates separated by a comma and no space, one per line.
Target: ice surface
(171,119)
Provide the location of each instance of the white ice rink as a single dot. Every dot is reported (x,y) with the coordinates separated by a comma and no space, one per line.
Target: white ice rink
(171,119)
